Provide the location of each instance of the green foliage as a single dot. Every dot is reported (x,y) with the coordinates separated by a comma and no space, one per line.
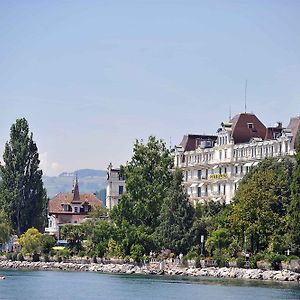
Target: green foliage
(240,262)
(218,240)
(148,176)
(259,210)
(5,228)
(30,242)
(294,208)
(20,257)
(176,218)
(22,195)
(99,212)
(137,252)
(47,242)
(275,259)
(114,249)
(74,234)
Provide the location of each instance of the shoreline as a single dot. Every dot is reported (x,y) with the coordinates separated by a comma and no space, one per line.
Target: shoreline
(153,269)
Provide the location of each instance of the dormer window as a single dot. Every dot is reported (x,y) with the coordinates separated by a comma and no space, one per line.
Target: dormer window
(250,125)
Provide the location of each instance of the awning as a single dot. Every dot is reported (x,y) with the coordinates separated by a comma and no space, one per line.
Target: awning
(194,185)
(200,184)
(215,167)
(256,163)
(237,180)
(236,165)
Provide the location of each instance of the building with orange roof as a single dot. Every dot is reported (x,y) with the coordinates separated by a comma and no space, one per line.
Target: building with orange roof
(70,208)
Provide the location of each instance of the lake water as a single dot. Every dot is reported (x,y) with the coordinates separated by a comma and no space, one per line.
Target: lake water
(78,285)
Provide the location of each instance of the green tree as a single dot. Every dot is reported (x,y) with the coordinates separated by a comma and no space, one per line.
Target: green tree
(176,217)
(148,176)
(74,234)
(294,209)
(259,208)
(47,242)
(22,194)
(30,241)
(5,229)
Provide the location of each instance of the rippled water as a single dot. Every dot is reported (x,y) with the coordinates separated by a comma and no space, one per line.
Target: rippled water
(78,285)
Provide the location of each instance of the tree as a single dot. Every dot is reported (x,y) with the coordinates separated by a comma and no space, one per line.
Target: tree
(22,195)
(176,217)
(47,242)
(5,229)
(148,176)
(294,209)
(74,234)
(259,209)
(30,241)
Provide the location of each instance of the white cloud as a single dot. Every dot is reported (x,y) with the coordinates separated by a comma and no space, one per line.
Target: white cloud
(49,168)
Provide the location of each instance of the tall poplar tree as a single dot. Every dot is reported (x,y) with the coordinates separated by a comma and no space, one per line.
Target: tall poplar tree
(22,195)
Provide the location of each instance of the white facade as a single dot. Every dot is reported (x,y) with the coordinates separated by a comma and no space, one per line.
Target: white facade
(53,227)
(115,187)
(213,173)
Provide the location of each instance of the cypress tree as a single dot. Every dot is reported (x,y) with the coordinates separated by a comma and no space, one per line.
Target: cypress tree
(176,217)
(22,195)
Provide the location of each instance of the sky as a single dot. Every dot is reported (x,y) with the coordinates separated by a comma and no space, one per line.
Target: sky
(91,77)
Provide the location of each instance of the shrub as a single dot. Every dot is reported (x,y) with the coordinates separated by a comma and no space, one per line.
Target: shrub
(255,258)
(20,257)
(240,262)
(46,258)
(81,253)
(198,261)
(275,259)
(184,261)
(136,252)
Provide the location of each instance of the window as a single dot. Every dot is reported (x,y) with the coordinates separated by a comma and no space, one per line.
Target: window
(225,153)
(220,154)
(206,191)
(241,169)
(225,170)
(76,209)
(199,174)
(236,170)
(224,189)
(250,125)
(199,191)
(219,189)
(220,170)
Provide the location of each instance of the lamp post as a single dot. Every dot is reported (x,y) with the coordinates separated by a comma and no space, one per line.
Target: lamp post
(202,242)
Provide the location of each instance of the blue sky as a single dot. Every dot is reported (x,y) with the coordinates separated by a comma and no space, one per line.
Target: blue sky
(92,76)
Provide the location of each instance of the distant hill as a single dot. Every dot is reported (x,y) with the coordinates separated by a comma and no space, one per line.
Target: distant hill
(90,181)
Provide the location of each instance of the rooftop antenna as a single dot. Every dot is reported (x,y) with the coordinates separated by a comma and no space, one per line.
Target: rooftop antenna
(229,113)
(170,142)
(246,95)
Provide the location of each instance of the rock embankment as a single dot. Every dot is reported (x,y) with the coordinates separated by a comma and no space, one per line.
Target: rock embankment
(283,275)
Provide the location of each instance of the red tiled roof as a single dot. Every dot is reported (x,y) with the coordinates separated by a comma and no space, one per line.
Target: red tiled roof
(241,133)
(55,204)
